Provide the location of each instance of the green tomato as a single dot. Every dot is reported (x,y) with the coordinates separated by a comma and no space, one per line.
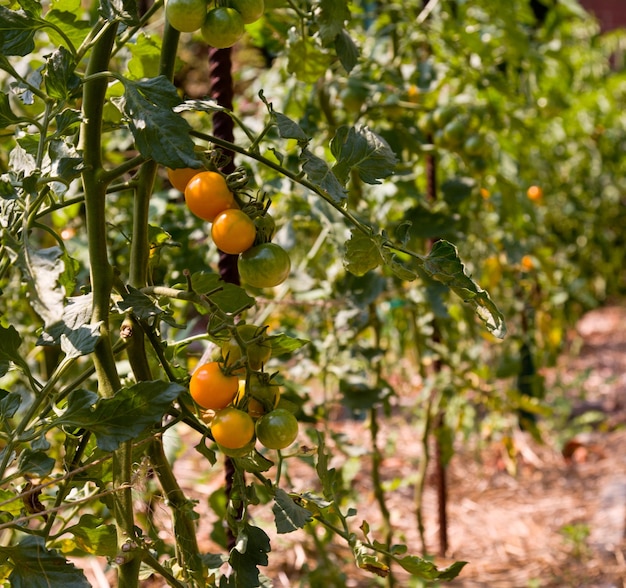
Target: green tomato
(186,16)
(222,27)
(264,391)
(250,10)
(277,429)
(264,266)
(258,349)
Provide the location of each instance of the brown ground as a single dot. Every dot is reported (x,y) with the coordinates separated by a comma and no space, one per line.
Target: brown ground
(552,517)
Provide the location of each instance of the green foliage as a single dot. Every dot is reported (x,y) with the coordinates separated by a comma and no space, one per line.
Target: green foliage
(395,146)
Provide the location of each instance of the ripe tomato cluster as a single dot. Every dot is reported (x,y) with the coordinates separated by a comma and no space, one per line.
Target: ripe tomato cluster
(221,24)
(239,412)
(261,263)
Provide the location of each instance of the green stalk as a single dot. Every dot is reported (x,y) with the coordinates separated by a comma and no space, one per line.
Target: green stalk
(95,185)
(187,551)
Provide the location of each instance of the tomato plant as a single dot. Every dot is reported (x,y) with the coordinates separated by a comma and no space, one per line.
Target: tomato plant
(211,388)
(232,428)
(277,429)
(376,163)
(222,27)
(207,194)
(233,231)
(264,266)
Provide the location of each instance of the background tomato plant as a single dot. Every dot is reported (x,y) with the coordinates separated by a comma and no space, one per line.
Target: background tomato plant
(393,141)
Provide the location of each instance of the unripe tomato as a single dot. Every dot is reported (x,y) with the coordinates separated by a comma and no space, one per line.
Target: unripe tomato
(232,428)
(222,27)
(264,266)
(186,16)
(250,10)
(277,429)
(211,388)
(207,194)
(258,349)
(180,177)
(233,231)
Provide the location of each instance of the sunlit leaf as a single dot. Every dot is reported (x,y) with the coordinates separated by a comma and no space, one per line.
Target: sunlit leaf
(35,566)
(319,173)
(443,264)
(251,551)
(332,16)
(17,32)
(362,150)
(362,253)
(307,60)
(160,133)
(59,76)
(122,417)
(288,515)
(90,536)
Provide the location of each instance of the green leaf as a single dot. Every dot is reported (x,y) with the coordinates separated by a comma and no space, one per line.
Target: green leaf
(146,53)
(332,16)
(76,314)
(9,403)
(289,129)
(427,570)
(67,122)
(122,417)
(361,149)
(282,344)
(91,536)
(10,342)
(37,463)
(369,562)
(80,341)
(67,16)
(35,566)
(307,61)
(42,270)
(347,51)
(288,515)
(250,551)
(254,462)
(59,76)
(229,298)
(124,10)
(326,474)
(17,32)
(319,173)
(363,253)
(160,133)
(7,118)
(443,264)
(456,190)
(142,306)
(65,163)
(13,502)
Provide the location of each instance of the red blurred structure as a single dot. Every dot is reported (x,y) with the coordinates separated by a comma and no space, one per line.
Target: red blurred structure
(611,14)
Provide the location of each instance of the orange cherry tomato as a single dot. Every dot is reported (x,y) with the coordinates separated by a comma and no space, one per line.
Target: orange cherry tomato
(180,177)
(233,231)
(207,194)
(232,428)
(534,193)
(211,388)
